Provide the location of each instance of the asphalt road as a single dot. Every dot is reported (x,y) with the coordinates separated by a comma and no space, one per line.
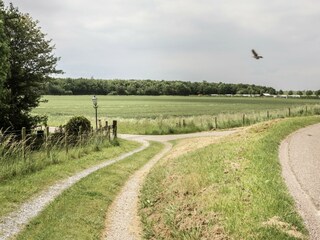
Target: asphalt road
(300,160)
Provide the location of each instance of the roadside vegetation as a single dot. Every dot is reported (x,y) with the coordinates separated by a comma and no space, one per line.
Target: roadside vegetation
(39,171)
(19,158)
(229,190)
(79,212)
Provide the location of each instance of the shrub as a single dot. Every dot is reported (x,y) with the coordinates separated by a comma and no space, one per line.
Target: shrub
(74,124)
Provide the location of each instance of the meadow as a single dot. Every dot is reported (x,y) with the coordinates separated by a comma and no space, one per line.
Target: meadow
(174,114)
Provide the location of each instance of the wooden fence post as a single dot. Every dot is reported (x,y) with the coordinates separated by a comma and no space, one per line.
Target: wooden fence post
(47,141)
(114,127)
(289,112)
(100,125)
(184,123)
(216,122)
(243,119)
(80,135)
(306,110)
(108,133)
(23,138)
(268,116)
(106,128)
(66,141)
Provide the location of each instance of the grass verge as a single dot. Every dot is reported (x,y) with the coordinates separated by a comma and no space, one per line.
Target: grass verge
(188,124)
(229,190)
(17,190)
(79,213)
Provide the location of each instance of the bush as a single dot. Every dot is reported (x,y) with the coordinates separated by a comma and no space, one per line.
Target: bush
(74,124)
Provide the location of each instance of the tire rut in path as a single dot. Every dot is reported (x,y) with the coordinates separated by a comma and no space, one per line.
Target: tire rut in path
(14,222)
(122,219)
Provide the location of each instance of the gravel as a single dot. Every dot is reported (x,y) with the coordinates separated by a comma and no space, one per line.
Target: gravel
(123,221)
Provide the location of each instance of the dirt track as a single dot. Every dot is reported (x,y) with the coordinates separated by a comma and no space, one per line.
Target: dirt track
(300,159)
(12,223)
(122,221)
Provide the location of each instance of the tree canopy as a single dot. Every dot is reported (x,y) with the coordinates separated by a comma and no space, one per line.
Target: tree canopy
(4,52)
(148,87)
(30,61)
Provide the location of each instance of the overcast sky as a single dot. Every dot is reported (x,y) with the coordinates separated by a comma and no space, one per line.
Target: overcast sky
(190,40)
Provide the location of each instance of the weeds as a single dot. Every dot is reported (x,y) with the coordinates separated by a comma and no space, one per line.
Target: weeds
(23,157)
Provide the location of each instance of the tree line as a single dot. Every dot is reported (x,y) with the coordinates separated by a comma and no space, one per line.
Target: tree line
(82,86)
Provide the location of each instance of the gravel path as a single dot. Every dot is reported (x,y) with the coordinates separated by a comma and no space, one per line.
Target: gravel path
(123,222)
(300,159)
(11,224)
(14,222)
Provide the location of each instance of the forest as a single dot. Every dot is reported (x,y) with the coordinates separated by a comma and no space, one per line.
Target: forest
(82,86)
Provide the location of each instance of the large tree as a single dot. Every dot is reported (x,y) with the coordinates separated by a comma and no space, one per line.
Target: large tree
(31,61)
(4,52)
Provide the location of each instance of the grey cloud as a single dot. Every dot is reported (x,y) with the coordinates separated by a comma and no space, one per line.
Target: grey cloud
(185,39)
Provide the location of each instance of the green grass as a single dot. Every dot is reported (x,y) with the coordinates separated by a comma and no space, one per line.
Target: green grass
(61,108)
(79,213)
(19,157)
(18,189)
(230,189)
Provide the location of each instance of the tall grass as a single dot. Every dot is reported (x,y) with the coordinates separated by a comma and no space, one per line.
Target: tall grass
(16,190)
(174,125)
(20,157)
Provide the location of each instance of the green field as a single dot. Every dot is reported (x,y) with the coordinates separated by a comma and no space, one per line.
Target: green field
(139,111)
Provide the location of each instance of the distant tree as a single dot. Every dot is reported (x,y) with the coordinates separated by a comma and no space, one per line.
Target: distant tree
(280,92)
(309,93)
(243,91)
(31,62)
(300,93)
(290,92)
(317,93)
(271,91)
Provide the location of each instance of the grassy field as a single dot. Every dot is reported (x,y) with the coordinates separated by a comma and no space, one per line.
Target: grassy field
(229,190)
(165,114)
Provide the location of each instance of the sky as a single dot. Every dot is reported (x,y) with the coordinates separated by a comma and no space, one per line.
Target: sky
(188,40)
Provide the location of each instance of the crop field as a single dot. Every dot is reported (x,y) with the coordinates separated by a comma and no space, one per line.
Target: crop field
(155,112)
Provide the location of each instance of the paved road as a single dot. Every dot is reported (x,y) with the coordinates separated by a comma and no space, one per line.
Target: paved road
(300,160)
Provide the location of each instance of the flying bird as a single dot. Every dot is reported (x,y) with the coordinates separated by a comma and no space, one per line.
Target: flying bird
(255,54)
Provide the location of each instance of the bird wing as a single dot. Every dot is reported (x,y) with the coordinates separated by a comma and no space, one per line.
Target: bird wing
(254,53)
